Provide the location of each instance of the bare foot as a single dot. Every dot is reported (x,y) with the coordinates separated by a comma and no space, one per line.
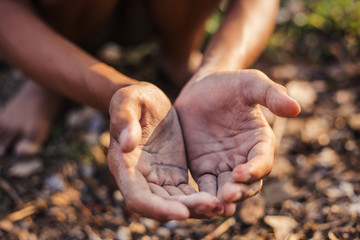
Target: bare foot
(26,119)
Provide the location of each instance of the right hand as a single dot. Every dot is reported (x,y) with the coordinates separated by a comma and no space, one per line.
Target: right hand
(147,157)
(230,146)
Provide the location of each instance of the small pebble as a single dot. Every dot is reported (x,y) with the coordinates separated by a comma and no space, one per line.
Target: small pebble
(172,224)
(149,223)
(136,227)
(26,168)
(123,233)
(163,232)
(55,182)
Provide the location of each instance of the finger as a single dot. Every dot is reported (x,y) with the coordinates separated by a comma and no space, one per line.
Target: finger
(173,191)
(130,137)
(158,190)
(259,165)
(208,183)
(125,112)
(236,192)
(270,94)
(223,178)
(136,190)
(201,205)
(140,199)
(187,189)
(229,209)
(254,170)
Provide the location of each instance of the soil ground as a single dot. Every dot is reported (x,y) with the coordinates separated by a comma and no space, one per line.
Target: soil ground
(67,192)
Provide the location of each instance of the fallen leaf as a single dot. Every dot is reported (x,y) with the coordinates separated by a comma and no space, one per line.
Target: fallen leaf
(26,168)
(275,193)
(304,93)
(283,226)
(252,210)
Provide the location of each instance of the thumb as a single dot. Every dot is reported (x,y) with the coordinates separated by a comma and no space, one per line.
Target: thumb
(272,95)
(124,122)
(130,136)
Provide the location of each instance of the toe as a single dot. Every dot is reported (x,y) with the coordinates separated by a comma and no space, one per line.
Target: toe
(32,138)
(27,147)
(202,205)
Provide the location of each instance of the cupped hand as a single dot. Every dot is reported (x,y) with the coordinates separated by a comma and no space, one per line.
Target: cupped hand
(230,145)
(147,157)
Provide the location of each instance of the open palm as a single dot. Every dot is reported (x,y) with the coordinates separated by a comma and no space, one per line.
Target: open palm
(229,143)
(148,159)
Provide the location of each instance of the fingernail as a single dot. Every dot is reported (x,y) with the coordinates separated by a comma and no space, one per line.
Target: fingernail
(219,208)
(237,196)
(241,175)
(122,136)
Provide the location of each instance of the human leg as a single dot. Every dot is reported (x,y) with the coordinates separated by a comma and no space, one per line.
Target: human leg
(27,117)
(181,27)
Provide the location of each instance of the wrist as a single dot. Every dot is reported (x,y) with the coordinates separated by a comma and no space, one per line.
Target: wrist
(218,64)
(104,81)
(207,69)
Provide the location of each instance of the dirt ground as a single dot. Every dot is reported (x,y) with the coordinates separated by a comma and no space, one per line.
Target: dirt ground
(66,192)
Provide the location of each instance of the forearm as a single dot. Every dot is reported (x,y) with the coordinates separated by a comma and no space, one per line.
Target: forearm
(46,57)
(242,35)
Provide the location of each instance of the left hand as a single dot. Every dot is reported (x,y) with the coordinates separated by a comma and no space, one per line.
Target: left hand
(147,157)
(230,145)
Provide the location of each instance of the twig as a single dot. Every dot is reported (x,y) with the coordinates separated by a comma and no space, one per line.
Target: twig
(91,234)
(220,229)
(28,209)
(11,191)
(279,129)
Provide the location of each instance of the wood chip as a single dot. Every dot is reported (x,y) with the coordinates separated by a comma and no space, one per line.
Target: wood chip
(283,226)
(124,233)
(104,139)
(332,236)
(136,227)
(92,235)
(24,234)
(252,210)
(354,121)
(327,158)
(6,225)
(65,198)
(99,154)
(222,228)
(28,209)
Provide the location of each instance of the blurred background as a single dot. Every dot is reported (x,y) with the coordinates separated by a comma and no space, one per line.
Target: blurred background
(313,192)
